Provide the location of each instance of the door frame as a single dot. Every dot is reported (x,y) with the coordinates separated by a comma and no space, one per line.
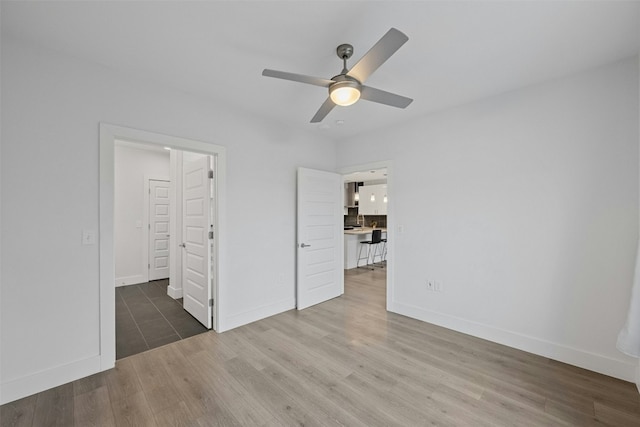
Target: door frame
(145,221)
(391,235)
(109,133)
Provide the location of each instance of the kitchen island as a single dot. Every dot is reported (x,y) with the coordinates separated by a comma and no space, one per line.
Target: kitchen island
(352,239)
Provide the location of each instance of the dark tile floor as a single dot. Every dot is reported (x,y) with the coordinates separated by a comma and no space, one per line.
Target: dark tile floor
(146,318)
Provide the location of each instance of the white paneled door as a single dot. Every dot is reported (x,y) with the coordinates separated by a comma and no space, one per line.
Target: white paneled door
(197,226)
(158,229)
(320,237)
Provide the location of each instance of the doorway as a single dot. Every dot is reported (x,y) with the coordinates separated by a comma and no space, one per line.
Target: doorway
(158,188)
(323,254)
(368,207)
(109,134)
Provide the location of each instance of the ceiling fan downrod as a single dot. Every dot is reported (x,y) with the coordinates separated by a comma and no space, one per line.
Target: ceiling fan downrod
(344,52)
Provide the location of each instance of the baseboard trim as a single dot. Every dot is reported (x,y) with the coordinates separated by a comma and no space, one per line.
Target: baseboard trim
(594,362)
(130,280)
(258,313)
(44,380)
(174,293)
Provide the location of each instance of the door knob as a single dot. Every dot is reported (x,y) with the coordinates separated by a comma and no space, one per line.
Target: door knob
(182,245)
(302,245)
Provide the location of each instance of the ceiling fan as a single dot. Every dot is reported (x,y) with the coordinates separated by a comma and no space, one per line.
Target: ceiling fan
(347,87)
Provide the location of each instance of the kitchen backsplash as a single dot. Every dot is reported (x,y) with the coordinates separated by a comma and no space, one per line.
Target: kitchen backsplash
(351,219)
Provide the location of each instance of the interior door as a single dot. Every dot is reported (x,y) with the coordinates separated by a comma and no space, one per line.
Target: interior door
(320,237)
(158,229)
(197,224)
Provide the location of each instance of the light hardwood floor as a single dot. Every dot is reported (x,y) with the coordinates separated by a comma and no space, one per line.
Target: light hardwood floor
(344,362)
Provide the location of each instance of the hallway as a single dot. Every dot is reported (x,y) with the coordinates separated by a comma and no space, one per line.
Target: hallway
(146,318)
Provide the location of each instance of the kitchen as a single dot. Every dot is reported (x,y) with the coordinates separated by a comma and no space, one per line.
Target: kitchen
(365,219)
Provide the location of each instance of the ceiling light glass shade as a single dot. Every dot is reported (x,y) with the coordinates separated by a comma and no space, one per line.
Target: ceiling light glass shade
(345,96)
(373,197)
(344,93)
(384,199)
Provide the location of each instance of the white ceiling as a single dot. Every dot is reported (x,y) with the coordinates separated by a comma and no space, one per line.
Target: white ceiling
(457,51)
(364,176)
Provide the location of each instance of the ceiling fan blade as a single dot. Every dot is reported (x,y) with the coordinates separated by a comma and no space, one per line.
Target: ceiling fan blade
(323,111)
(382,97)
(316,81)
(378,54)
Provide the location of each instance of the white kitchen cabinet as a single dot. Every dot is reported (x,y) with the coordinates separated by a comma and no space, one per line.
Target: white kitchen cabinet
(381,195)
(376,207)
(365,205)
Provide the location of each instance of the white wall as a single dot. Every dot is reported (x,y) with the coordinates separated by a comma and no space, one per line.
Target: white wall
(525,206)
(132,166)
(51,108)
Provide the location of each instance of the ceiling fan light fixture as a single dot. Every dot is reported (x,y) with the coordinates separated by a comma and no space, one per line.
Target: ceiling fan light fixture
(346,88)
(345,93)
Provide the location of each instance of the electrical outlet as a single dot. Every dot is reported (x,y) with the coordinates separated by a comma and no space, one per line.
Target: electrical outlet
(430,285)
(437,285)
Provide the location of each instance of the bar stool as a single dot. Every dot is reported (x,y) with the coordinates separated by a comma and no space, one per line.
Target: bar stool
(381,253)
(376,238)
(383,257)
